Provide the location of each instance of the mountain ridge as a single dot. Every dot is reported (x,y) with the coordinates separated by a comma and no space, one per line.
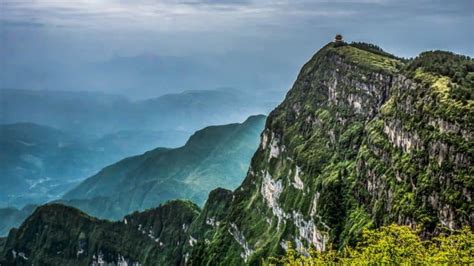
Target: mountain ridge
(213,156)
(61,224)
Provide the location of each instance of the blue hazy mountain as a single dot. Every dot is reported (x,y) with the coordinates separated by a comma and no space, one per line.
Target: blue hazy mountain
(146,75)
(216,156)
(39,163)
(98,113)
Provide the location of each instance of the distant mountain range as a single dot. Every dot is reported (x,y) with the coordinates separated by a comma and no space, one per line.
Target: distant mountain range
(39,163)
(97,114)
(216,156)
(148,75)
(50,140)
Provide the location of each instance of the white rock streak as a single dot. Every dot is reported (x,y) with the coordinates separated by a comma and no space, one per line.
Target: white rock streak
(274,149)
(306,229)
(271,191)
(22,255)
(240,238)
(212,221)
(402,139)
(192,241)
(264,140)
(298,183)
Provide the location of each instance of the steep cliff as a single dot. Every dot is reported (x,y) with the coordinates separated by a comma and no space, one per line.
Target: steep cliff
(362,139)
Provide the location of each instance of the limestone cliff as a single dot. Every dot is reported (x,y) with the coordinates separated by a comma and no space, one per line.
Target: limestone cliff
(362,139)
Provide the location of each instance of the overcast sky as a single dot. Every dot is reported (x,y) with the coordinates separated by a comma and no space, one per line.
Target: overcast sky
(258,39)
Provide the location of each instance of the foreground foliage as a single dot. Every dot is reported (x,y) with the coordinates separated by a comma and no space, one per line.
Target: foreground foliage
(392,244)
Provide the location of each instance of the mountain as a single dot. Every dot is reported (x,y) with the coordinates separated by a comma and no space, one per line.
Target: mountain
(131,142)
(98,114)
(154,237)
(214,156)
(39,163)
(363,139)
(193,110)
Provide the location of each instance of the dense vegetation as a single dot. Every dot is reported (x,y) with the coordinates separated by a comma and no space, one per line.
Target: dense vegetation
(459,68)
(392,245)
(60,235)
(372,48)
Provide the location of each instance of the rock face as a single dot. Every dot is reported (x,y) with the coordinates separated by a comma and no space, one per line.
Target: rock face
(362,139)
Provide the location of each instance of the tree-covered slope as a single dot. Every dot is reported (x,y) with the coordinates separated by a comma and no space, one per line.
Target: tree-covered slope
(362,139)
(59,235)
(216,156)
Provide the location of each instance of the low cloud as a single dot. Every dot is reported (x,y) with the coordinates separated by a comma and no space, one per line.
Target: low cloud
(166,15)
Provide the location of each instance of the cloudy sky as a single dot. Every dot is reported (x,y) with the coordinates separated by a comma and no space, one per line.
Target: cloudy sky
(247,44)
